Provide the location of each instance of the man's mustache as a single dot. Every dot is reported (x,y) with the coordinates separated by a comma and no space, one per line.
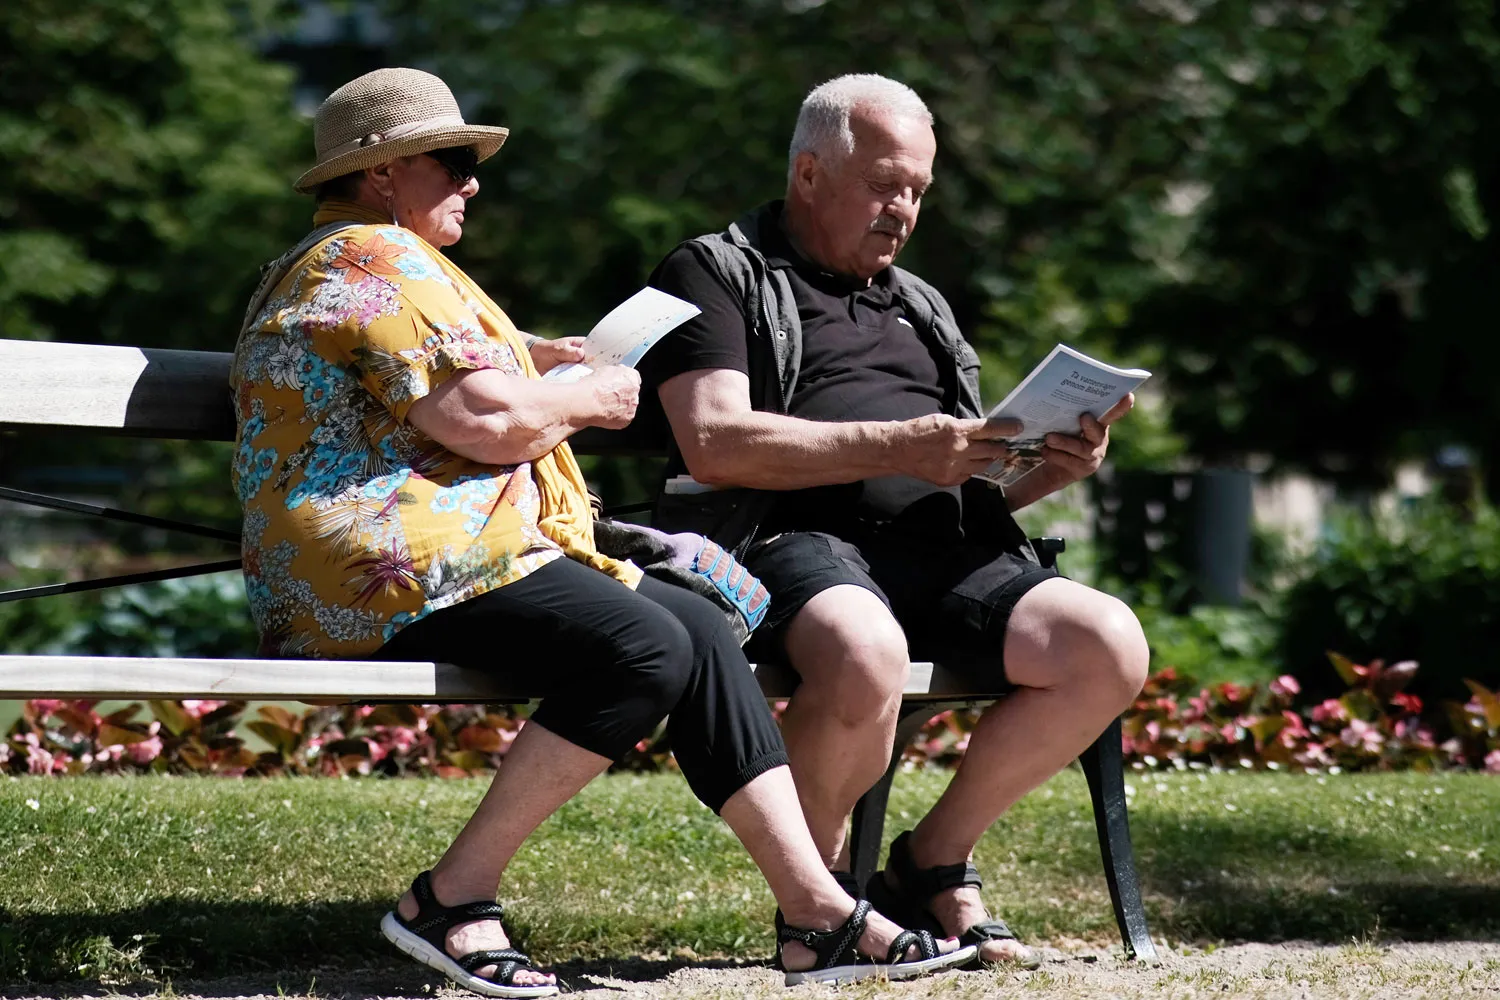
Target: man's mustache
(889,225)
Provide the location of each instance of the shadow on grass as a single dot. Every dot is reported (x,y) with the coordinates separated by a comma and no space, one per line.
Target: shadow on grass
(248,948)
(1280,881)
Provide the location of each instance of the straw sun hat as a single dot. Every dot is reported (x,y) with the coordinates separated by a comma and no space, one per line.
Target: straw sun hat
(388,114)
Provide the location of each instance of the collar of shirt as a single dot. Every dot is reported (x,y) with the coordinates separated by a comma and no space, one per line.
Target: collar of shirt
(780,253)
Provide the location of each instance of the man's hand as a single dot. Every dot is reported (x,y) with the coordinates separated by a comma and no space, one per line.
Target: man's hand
(548,354)
(1069,458)
(945,450)
(616,391)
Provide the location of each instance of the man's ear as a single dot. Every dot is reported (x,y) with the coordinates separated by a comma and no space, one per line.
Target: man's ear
(805,170)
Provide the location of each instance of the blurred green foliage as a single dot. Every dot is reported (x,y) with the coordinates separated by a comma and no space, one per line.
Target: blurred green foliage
(1418,584)
(196,616)
(1333,304)
(144,155)
(1282,208)
(637,125)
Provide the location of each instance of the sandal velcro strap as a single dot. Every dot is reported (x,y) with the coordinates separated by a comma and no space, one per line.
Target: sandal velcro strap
(835,947)
(507,962)
(434,920)
(480,909)
(925,943)
(928,882)
(987,930)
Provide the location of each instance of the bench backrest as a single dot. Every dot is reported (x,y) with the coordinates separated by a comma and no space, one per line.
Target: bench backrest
(155,393)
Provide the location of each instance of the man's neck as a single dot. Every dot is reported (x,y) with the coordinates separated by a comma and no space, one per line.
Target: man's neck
(798,229)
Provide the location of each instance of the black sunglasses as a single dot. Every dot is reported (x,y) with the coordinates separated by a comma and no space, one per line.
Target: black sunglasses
(459,161)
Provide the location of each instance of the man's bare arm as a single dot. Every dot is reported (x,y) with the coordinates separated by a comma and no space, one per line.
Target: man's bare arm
(499,419)
(725,442)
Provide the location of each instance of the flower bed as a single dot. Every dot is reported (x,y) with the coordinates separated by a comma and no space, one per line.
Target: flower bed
(1374,725)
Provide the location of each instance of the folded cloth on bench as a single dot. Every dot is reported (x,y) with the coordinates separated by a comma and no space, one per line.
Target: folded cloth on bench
(692,561)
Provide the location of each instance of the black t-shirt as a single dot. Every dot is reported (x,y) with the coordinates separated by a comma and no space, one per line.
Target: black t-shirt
(861,360)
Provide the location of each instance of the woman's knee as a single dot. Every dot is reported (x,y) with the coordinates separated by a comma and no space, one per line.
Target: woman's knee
(657,655)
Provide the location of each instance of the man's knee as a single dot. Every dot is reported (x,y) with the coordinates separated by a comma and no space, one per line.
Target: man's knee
(850,653)
(1064,633)
(1123,652)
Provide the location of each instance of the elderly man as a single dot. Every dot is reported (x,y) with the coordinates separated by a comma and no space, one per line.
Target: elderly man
(829,398)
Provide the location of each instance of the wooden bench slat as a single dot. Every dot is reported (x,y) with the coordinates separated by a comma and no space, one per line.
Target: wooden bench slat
(129,677)
(125,390)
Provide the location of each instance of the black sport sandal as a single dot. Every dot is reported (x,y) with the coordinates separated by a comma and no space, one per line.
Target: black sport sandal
(907,901)
(839,961)
(424,938)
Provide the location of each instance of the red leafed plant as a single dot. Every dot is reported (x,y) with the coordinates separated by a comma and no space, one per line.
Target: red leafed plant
(1175,722)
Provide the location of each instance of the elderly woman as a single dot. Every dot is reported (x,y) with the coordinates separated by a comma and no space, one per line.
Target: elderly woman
(408,494)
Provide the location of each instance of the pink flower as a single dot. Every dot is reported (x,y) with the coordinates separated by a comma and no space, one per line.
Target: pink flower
(45,706)
(145,751)
(377,752)
(198,709)
(507,737)
(1293,732)
(1285,686)
(1314,755)
(38,761)
(1331,710)
(1492,762)
(1232,692)
(1363,736)
(1408,703)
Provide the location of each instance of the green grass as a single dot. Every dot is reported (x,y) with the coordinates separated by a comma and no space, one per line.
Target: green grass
(115,879)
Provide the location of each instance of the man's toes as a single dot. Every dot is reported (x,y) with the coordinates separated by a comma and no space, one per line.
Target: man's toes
(1005,951)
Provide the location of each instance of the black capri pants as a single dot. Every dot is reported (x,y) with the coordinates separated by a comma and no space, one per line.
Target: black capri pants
(609,664)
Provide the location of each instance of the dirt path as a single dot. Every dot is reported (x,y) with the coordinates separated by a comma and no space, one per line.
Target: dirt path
(1446,971)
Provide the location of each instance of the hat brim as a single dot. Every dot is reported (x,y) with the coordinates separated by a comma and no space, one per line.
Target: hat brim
(485,140)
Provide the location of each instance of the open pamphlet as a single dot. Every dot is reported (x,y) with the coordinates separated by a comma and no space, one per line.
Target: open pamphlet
(1053,400)
(630,330)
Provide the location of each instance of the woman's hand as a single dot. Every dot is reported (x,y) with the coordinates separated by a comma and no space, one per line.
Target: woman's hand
(616,391)
(548,354)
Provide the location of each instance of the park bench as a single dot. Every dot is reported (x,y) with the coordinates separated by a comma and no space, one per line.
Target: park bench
(184,395)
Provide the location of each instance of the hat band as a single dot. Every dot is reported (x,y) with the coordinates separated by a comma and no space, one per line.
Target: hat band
(375,138)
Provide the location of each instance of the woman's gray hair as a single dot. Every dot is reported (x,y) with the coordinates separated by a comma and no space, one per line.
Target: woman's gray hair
(823,123)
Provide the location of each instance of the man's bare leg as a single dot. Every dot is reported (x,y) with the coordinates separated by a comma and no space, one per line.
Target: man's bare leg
(1079,658)
(852,658)
(767,818)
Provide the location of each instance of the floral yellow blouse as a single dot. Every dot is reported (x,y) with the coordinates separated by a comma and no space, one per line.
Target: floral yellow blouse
(355,522)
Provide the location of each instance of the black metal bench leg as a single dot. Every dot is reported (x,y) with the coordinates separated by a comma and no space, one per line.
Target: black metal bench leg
(869,812)
(1103,765)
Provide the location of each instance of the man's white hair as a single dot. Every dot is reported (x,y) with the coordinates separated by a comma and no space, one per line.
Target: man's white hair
(823,123)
